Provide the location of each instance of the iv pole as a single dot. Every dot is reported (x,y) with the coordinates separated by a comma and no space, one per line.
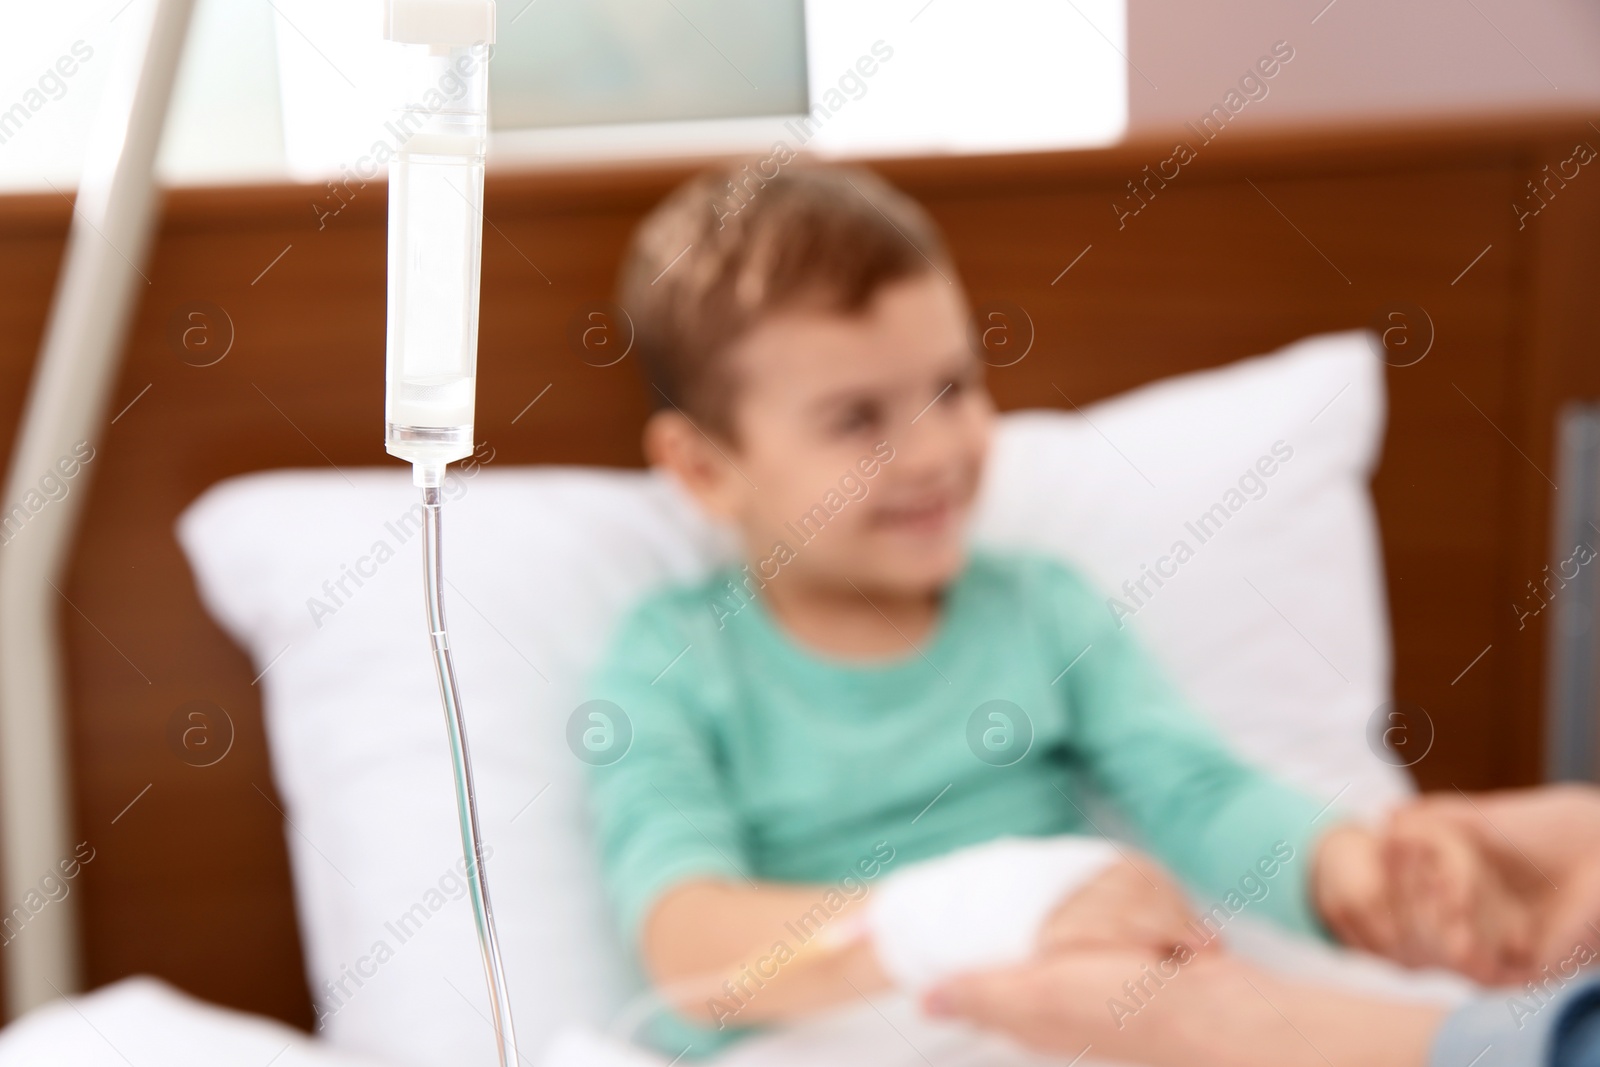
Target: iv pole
(95,297)
(113,218)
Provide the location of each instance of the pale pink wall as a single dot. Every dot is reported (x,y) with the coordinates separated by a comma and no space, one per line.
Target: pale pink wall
(1363,58)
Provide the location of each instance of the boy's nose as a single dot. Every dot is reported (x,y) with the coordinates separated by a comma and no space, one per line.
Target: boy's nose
(931,445)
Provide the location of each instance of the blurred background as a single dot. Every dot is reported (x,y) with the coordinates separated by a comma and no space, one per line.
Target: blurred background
(1422,167)
(274,89)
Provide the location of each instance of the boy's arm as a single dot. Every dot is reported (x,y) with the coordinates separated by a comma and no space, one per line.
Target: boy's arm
(672,842)
(1222,825)
(1253,841)
(729,954)
(979,906)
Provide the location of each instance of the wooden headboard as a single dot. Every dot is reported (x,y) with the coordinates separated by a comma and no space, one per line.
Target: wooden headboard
(1249,242)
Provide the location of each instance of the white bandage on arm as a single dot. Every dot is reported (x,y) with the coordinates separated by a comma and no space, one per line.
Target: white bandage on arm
(978,907)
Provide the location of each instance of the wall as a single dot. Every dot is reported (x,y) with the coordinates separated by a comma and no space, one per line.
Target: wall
(1358,59)
(1363,59)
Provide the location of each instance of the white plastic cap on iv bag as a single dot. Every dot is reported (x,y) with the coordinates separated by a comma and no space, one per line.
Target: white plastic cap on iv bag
(441,57)
(441,22)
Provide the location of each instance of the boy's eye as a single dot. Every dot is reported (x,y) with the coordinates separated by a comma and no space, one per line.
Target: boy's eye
(857,418)
(952,388)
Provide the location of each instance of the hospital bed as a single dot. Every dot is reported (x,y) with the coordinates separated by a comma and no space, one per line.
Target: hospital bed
(1222,276)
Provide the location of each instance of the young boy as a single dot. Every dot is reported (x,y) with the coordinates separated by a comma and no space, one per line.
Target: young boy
(847,705)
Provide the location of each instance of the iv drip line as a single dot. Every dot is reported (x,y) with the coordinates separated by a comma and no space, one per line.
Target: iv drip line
(461,762)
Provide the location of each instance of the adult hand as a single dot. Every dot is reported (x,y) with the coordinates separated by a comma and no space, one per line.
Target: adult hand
(1423,891)
(1062,1003)
(1545,843)
(1455,905)
(1134,902)
(1216,1011)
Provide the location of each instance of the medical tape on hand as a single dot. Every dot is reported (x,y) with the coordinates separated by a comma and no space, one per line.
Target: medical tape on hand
(978,907)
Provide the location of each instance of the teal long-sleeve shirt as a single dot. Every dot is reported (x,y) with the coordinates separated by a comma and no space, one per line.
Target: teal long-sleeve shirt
(748,756)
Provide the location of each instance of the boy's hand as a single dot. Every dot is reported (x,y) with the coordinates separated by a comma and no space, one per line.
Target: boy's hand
(1454,908)
(1352,890)
(1132,903)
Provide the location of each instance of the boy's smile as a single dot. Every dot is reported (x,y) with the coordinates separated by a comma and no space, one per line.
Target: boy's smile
(895,390)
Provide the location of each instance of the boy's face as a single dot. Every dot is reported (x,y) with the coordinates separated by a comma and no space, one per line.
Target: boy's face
(859,441)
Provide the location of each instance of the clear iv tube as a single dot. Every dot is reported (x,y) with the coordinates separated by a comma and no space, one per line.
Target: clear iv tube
(466,796)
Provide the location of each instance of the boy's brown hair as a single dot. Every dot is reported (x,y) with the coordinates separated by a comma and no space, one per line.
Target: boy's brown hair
(731,246)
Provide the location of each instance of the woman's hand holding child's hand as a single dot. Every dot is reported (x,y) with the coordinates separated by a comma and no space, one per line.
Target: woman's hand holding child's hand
(1420,890)
(1455,908)
(1424,893)
(1541,848)
(1134,902)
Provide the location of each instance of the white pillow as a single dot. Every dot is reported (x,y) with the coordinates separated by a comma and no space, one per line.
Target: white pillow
(541,562)
(1277,624)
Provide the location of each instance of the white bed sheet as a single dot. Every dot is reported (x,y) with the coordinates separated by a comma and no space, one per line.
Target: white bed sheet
(144,1022)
